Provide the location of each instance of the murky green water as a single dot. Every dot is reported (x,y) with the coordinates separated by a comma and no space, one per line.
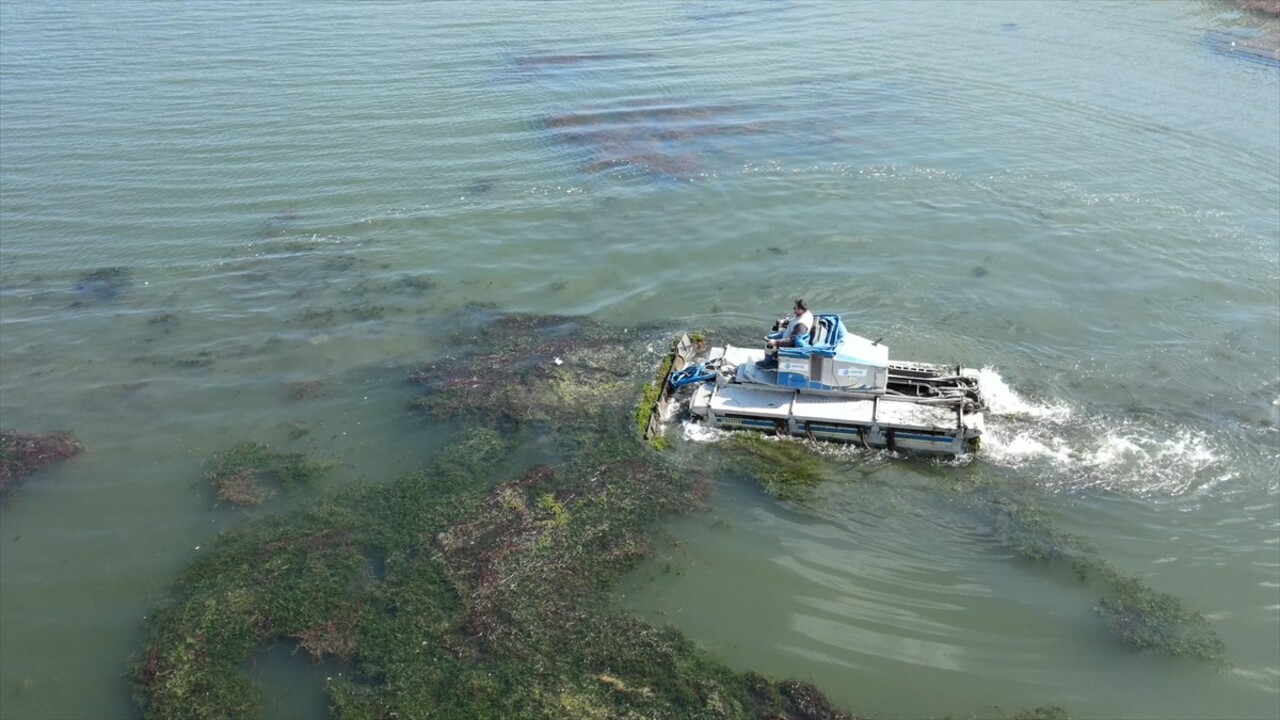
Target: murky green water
(1084,197)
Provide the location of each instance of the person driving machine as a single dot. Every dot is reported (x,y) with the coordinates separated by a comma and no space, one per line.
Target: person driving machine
(786,332)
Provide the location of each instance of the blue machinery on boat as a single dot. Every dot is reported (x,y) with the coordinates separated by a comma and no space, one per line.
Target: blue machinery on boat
(834,386)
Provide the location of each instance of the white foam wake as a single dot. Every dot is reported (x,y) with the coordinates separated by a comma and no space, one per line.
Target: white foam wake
(1070,449)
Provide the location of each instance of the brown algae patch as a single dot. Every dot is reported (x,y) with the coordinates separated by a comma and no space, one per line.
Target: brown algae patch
(22,454)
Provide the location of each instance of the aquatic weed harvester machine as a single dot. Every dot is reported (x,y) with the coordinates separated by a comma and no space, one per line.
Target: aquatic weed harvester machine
(833,386)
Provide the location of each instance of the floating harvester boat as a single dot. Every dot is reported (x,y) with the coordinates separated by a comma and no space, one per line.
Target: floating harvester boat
(833,386)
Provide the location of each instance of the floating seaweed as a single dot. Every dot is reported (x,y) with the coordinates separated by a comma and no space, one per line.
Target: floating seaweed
(784,466)
(237,474)
(22,454)
(280,223)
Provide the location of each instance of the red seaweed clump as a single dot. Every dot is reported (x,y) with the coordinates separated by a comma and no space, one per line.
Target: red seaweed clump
(24,453)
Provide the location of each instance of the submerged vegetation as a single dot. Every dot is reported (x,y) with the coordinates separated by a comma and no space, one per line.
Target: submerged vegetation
(474,588)
(24,453)
(1136,613)
(237,475)
(103,284)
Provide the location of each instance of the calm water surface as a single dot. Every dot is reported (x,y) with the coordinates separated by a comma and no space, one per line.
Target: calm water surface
(1082,197)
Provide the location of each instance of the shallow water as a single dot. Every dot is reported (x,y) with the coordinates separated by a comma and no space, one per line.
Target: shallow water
(1084,198)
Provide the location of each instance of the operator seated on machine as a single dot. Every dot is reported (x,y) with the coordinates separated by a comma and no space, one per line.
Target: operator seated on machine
(786,332)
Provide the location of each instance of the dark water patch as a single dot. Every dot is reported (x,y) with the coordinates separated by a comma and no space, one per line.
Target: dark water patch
(480,186)
(199,360)
(979,271)
(315,317)
(653,137)
(281,223)
(102,284)
(419,283)
(1251,46)
(363,312)
(1262,7)
(338,263)
(22,454)
(293,681)
(306,389)
(295,429)
(164,321)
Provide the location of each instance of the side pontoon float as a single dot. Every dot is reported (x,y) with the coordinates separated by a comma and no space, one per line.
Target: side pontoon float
(833,386)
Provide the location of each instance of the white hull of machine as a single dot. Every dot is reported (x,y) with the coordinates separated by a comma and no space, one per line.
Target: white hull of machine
(848,391)
(754,400)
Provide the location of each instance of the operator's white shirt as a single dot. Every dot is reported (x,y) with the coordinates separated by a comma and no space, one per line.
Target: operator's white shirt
(806,319)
